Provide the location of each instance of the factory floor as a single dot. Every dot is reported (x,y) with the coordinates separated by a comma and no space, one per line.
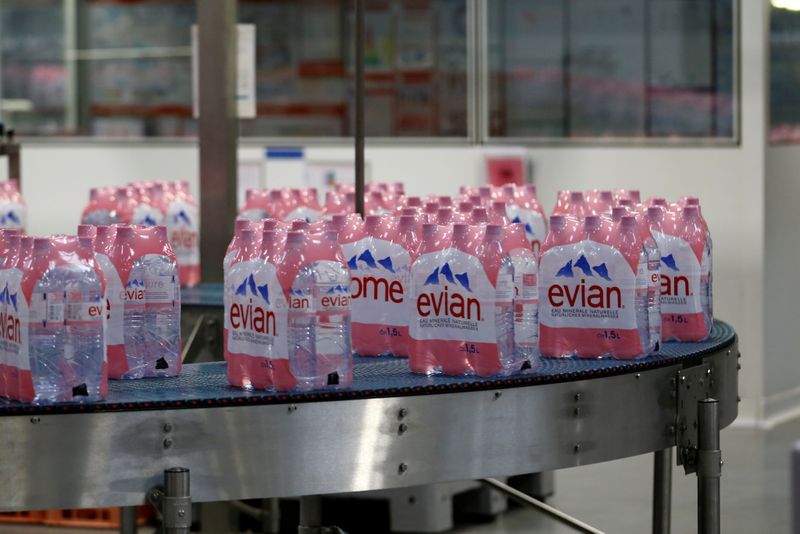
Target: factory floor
(616,496)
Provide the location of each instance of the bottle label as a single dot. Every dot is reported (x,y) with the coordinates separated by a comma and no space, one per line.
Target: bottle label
(147,215)
(454,299)
(586,285)
(47,308)
(680,276)
(13,314)
(81,311)
(303,213)
(331,294)
(255,311)
(379,282)
(535,225)
(159,289)
(182,222)
(12,215)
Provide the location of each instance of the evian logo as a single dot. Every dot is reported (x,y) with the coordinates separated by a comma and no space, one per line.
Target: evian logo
(581,293)
(249,284)
(445,271)
(254,314)
(9,322)
(7,298)
(441,301)
(568,270)
(134,290)
(368,281)
(673,285)
(182,217)
(9,217)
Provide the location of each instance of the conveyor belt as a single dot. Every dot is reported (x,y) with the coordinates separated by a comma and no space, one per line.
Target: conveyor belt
(205,385)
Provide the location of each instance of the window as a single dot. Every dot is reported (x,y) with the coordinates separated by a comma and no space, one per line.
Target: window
(556,69)
(784,77)
(415,68)
(611,68)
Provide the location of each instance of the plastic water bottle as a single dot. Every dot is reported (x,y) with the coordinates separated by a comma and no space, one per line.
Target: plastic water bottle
(162,312)
(47,328)
(301,318)
(333,329)
(133,315)
(653,291)
(503,298)
(84,348)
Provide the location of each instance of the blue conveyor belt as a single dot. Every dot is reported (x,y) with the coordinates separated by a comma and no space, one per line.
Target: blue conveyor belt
(204,385)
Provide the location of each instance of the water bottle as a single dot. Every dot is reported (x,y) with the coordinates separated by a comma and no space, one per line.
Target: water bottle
(162,318)
(133,315)
(301,316)
(503,300)
(47,327)
(653,292)
(643,299)
(85,347)
(333,329)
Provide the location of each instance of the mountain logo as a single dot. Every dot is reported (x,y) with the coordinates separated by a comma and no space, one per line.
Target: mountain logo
(135,282)
(528,227)
(670,262)
(568,270)
(248,286)
(6,297)
(148,220)
(366,258)
(461,279)
(338,289)
(181,216)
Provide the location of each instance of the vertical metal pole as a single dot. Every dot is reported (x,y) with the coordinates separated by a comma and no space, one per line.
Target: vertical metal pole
(217,127)
(796,488)
(127,519)
(177,505)
(709,467)
(359,59)
(310,515)
(662,491)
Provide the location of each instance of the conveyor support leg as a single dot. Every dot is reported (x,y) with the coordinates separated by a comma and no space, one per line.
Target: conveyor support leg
(127,519)
(662,491)
(173,501)
(709,467)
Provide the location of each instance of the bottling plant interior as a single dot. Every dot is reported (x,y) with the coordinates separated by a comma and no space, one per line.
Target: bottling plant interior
(399,266)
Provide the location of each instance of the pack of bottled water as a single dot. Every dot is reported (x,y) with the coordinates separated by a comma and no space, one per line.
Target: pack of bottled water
(51,320)
(287,307)
(142,299)
(158,203)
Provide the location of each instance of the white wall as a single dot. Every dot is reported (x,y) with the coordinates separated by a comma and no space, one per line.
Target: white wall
(730,182)
(781,291)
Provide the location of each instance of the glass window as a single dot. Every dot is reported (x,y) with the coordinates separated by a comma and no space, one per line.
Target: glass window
(33,74)
(784,73)
(611,68)
(415,73)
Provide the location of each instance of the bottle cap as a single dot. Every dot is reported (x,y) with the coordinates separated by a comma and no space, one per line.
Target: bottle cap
(409,211)
(692,201)
(372,221)
(445,200)
(465,207)
(557,222)
(476,200)
(444,216)
(407,221)
(242,224)
(295,239)
(690,212)
(607,196)
(485,191)
(659,201)
(298,225)
(617,212)
(530,189)
(576,196)
(493,232)
(42,244)
(591,223)
(460,230)
(428,230)
(124,231)
(480,216)
(431,208)
(86,230)
(413,202)
(628,222)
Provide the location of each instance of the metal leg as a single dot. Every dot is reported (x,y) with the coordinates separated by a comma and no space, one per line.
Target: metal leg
(173,501)
(709,467)
(796,488)
(127,519)
(662,491)
(310,515)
